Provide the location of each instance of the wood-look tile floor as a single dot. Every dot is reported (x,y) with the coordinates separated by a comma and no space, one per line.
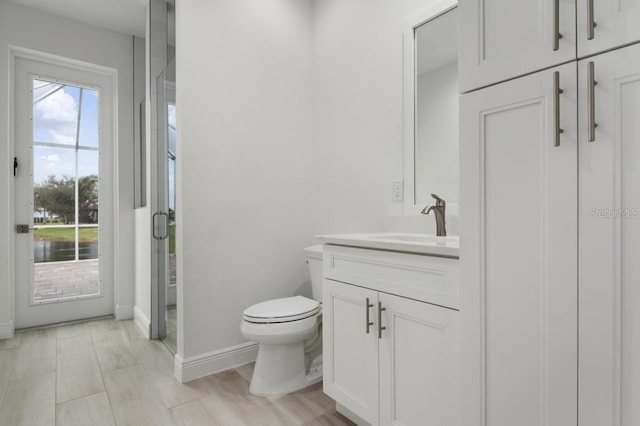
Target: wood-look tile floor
(105,373)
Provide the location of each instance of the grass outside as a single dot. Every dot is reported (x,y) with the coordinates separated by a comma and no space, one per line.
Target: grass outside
(172,239)
(86,235)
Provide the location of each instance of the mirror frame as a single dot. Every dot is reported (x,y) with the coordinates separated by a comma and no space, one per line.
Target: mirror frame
(439,8)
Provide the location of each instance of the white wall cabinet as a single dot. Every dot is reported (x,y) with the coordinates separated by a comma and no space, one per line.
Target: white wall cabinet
(525,315)
(503,39)
(617,22)
(408,372)
(609,222)
(519,254)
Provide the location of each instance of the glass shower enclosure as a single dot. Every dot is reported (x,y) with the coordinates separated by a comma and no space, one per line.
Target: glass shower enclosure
(164,220)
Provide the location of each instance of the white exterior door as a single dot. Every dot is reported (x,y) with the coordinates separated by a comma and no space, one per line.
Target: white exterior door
(519,257)
(419,368)
(63,127)
(350,353)
(609,218)
(502,39)
(607,24)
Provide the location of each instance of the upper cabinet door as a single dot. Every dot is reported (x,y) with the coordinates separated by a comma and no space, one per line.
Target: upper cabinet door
(607,24)
(502,39)
(610,238)
(518,263)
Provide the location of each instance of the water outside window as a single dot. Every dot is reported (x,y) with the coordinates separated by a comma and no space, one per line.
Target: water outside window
(65,191)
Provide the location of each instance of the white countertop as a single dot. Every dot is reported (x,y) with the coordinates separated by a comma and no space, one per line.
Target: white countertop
(398,241)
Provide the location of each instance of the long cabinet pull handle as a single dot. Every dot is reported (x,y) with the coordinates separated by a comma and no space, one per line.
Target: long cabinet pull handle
(556,25)
(591,23)
(556,106)
(368,319)
(380,327)
(591,97)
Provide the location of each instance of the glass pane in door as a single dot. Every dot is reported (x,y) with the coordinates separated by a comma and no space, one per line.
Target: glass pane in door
(65,192)
(171,177)
(166,207)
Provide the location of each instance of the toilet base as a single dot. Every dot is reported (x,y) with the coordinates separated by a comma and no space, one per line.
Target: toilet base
(280,369)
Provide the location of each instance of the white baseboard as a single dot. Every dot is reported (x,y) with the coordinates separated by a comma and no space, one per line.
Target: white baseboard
(6,330)
(198,366)
(142,322)
(350,415)
(124,312)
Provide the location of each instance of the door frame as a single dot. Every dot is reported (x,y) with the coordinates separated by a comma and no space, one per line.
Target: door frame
(17,52)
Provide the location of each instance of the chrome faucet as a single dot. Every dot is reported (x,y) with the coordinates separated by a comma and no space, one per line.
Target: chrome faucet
(438,211)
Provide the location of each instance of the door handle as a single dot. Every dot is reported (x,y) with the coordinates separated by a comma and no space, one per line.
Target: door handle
(154,226)
(380,327)
(23,229)
(556,25)
(556,106)
(591,100)
(369,323)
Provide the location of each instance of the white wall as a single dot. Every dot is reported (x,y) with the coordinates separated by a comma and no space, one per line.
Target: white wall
(437,169)
(245,200)
(28,28)
(290,124)
(358,113)
(142,272)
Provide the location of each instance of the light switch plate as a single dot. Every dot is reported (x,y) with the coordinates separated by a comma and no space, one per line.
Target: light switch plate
(397,190)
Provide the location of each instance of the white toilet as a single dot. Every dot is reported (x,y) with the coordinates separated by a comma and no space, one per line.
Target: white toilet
(289,332)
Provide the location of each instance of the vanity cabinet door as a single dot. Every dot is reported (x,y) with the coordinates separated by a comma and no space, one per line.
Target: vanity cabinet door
(350,353)
(609,375)
(419,363)
(502,39)
(617,22)
(518,283)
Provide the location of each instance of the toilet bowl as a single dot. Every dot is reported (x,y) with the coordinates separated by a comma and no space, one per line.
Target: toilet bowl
(289,334)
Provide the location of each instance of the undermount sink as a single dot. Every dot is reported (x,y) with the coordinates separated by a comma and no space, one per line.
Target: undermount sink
(397,241)
(417,238)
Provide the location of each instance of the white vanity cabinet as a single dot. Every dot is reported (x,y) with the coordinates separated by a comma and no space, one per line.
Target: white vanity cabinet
(419,368)
(350,354)
(388,358)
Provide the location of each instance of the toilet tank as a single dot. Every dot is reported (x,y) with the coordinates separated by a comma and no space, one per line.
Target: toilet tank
(314,259)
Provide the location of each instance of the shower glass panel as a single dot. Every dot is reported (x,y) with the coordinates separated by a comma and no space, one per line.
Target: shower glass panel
(166,174)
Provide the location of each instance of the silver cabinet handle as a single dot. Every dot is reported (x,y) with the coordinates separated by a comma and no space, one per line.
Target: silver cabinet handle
(591,99)
(368,319)
(591,23)
(556,25)
(556,106)
(380,327)
(153,225)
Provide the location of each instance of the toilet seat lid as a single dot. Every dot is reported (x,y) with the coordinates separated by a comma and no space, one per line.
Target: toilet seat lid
(282,310)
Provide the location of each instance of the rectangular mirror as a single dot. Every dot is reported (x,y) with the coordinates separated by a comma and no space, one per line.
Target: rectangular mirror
(431,108)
